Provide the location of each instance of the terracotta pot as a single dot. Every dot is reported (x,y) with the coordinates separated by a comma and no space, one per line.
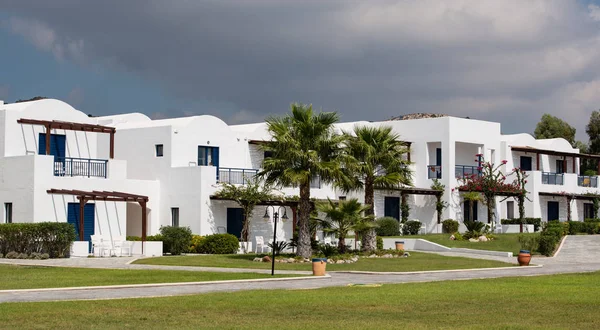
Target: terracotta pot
(400,245)
(318,266)
(524,258)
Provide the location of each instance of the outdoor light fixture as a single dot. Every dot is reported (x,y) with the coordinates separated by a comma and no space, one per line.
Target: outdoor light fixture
(284,218)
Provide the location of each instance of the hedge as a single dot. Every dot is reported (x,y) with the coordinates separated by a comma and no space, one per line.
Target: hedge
(450,226)
(387,226)
(52,238)
(536,222)
(176,240)
(219,244)
(551,235)
(411,227)
(588,227)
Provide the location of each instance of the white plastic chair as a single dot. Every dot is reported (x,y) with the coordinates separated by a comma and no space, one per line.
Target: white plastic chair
(120,244)
(423,229)
(99,245)
(260,241)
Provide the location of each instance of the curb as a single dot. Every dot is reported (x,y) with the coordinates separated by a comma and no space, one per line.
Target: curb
(146,285)
(434,271)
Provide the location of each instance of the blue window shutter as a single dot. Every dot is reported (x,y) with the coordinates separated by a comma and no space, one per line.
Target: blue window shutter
(42,144)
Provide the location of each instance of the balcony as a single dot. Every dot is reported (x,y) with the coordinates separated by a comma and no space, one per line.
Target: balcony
(587,181)
(236,175)
(434,172)
(80,167)
(462,171)
(552,178)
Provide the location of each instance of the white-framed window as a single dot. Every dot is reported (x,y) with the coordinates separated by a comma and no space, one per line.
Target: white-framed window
(510,210)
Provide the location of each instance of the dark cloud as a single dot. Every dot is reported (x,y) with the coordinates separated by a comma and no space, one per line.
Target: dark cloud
(503,60)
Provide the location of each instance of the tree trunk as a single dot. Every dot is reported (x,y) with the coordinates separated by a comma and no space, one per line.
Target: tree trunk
(304,248)
(438,209)
(342,244)
(491,205)
(470,210)
(521,201)
(369,237)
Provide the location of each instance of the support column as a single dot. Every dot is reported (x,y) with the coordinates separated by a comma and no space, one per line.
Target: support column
(48,132)
(112,145)
(144,222)
(569,199)
(82,202)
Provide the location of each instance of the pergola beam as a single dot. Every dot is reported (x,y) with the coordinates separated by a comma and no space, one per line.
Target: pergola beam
(108,196)
(71,126)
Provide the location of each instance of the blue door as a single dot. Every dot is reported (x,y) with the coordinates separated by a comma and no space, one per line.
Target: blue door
(57,149)
(391,207)
(552,211)
(89,212)
(209,156)
(235,222)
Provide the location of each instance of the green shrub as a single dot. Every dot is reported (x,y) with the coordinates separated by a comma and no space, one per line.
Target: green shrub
(43,237)
(529,241)
(536,222)
(450,226)
(23,256)
(133,238)
(280,246)
(411,227)
(379,243)
(591,220)
(219,244)
(177,239)
(458,236)
(387,226)
(195,244)
(1,255)
(327,250)
(547,244)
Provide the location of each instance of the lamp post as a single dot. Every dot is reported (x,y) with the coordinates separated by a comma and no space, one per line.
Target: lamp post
(275,219)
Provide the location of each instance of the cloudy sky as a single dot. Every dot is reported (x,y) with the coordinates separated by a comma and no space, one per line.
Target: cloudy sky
(507,61)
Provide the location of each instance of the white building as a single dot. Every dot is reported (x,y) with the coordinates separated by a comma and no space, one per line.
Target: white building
(177,164)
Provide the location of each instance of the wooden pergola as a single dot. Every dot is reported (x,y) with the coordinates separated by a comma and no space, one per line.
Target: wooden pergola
(574,156)
(107,196)
(55,124)
(416,191)
(570,198)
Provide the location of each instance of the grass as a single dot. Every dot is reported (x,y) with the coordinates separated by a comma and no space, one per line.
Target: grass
(503,242)
(33,277)
(541,302)
(416,262)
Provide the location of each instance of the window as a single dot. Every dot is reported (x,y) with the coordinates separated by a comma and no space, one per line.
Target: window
(588,211)
(159,150)
(208,156)
(267,154)
(175,216)
(560,166)
(526,163)
(7,212)
(510,210)
(342,198)
(467,211)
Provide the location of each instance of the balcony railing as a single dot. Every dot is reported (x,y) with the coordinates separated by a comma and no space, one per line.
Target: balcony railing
(462,171)
(315,182)
(434,172)
(587,181)
(552,178)
(83,167)
(236,175)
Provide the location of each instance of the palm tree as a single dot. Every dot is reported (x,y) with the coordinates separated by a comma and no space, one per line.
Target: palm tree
(471,197)
(374,159)
(303,146)
(342,217)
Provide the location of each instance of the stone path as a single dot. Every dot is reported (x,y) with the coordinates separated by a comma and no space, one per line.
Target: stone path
(578,254)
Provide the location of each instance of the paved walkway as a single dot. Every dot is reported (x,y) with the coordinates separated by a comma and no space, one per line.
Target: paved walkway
(578,254)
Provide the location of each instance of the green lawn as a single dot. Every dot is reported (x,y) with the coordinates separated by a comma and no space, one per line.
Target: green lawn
(503,242)
(32,277)
(541,302)
(416,262)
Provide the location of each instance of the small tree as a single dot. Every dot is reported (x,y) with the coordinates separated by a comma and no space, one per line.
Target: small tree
(440,204)
(471,197)
(247,197)
(342,217)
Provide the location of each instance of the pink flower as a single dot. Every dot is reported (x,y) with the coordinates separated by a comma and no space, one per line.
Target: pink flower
(525,181)
(452,189)
(504,162)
